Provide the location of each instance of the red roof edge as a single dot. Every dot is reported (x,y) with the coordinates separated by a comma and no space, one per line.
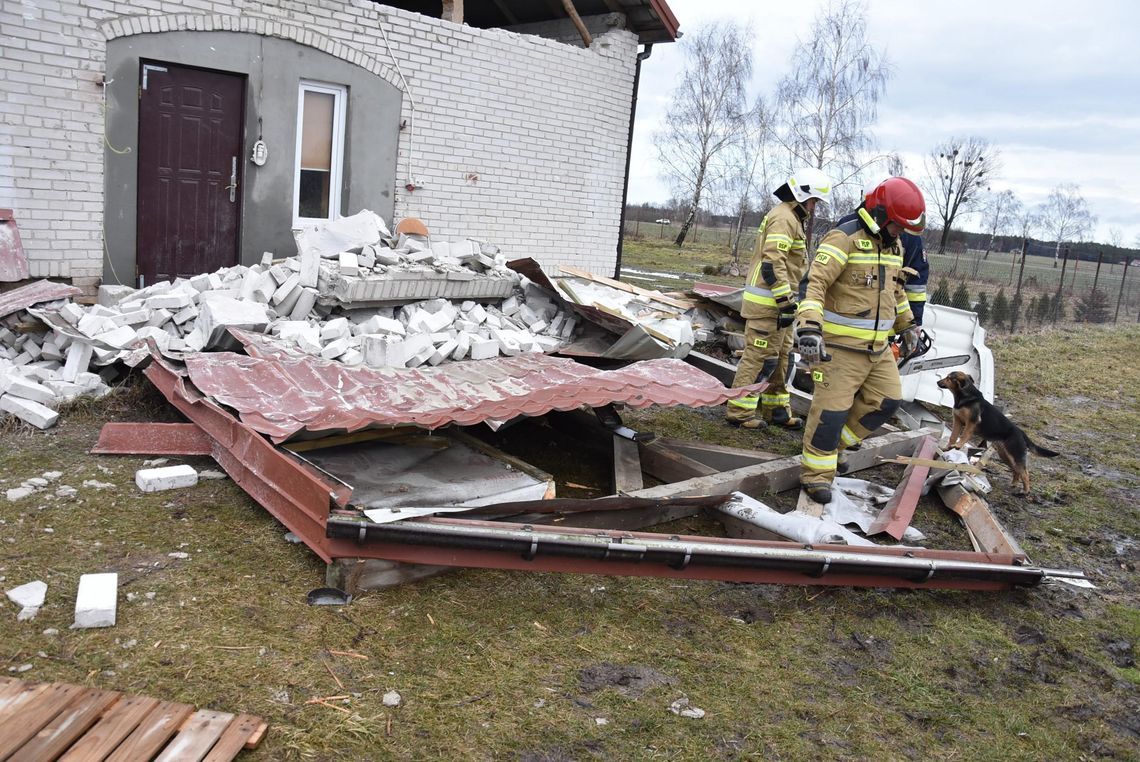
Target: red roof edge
(665,13)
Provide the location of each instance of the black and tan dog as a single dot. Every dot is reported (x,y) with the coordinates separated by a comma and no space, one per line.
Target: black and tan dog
(974,415)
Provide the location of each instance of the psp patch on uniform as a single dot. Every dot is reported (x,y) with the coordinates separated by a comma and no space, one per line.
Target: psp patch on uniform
(822,258)
(783,246)
(863,243)
(817,375)
(762,343)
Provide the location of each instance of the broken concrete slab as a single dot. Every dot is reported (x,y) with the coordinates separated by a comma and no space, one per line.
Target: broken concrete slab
(38,415)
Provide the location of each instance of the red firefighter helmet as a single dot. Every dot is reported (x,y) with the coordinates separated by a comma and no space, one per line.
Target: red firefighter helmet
(898,200)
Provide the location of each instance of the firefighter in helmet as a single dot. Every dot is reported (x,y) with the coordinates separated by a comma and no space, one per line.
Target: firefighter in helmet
(769,302)
(854,299)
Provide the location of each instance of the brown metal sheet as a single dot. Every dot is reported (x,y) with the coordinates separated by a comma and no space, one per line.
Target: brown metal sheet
(34,293)
(153,439)
(281,397)
(896,514)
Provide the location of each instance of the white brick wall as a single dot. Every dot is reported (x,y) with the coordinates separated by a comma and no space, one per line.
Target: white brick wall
(515,139)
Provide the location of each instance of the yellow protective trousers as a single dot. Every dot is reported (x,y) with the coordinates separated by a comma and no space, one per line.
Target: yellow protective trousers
(855,393)
(765,356)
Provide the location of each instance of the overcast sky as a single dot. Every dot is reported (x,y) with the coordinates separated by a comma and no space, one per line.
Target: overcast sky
(1054,86)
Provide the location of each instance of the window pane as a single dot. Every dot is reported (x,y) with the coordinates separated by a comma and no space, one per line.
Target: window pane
(313,201)
(317,131)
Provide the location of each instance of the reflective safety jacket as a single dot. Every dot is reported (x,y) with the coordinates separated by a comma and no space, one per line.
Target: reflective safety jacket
(914,257)
(854,290)
(777,262)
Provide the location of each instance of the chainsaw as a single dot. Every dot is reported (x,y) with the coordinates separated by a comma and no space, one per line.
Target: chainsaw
(908,365)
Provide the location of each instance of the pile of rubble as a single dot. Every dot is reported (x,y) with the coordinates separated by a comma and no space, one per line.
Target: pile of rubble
(353,294)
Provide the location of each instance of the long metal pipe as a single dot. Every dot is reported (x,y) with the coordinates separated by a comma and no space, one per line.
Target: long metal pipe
(529,541)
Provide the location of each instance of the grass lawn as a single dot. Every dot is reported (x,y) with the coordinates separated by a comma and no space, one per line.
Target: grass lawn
(510,665)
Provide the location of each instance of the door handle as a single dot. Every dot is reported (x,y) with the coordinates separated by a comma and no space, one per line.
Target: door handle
(232,187)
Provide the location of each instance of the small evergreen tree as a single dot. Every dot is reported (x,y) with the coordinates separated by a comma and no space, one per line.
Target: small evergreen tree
(1031,311)
(961,298)
(1058,307)
(1000,311)
(1044,308)
(1014,312)
(1093,307)
(983,308)
(941,294)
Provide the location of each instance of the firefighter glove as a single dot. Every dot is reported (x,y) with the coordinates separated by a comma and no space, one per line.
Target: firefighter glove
(787,315)
(910,340)
(809,341)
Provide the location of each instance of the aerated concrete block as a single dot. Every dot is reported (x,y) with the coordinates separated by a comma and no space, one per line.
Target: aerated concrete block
(96,601)
(383,351)
(306,300)
(29,390)
(31,412)
(109,296)
(484,349)
(167,477)
(349,264)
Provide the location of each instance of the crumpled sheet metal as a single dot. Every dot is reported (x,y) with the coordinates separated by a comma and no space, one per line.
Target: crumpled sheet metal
(34,293)
(281,397)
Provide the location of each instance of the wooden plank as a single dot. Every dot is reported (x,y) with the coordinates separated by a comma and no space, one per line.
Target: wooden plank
(719,457)
(15,702)
(198,735)
(895,516)
(235,738)
(929,463)
(17,729)
(627,466)
(668,465)
(9,687)
(110,730)
(991,536)
(783,474)
(808,507)
(58,735)
(154,730)
(629,288)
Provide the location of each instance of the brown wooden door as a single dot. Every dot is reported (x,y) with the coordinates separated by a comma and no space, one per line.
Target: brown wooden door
(190,170)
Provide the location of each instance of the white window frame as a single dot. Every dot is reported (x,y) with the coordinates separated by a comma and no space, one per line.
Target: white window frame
(336,169)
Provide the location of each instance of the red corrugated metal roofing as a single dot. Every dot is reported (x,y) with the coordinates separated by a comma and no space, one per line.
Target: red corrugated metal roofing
(281,397)
(41,291)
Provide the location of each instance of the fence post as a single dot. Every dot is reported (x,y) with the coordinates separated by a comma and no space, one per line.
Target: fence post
(1099,259)
(1076,266)
(1120,296)
(1060,286)
(1020,276)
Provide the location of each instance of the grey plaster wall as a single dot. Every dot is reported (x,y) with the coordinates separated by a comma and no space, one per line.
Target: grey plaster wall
(274,69)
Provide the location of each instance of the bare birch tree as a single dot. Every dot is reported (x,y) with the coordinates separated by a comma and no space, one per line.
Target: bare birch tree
(708,113)
(745,186)
(957,176)
(827,103)
(1001,211)
(1065,216)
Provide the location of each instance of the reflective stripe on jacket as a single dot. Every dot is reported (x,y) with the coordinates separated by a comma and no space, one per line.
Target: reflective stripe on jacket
(853,292)
(777,262)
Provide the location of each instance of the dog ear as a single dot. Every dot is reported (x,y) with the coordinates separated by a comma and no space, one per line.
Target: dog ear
(969,379)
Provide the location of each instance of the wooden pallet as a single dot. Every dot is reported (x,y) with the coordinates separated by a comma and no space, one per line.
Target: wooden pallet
(46,721)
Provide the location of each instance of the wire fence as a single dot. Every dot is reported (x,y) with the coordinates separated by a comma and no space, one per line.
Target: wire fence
(979,270)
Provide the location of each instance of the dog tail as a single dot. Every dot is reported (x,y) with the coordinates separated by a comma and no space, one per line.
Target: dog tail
(1043,452)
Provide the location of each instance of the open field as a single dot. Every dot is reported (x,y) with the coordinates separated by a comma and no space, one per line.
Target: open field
(652,249)
(510,665)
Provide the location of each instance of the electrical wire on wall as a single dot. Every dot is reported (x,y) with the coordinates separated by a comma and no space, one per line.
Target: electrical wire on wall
(120,152)
(411,102)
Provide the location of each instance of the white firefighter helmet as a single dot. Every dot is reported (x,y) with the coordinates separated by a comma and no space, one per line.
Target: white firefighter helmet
(809,182)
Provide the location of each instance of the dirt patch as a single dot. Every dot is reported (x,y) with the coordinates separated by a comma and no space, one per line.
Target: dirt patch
(630,680)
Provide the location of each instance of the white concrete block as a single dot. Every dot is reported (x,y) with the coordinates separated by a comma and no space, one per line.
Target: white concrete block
(134,317)
(29,594)
(387,257)
(96,601)
(366,259)
(264,289)
(160,317)
(50,351)
(71,312)
(29,390)
(166,477)
(483,349)
(185,315)
(351,357)
(335,349)
(266,260)
(31,412)
(349,264)
(286,289)
(174,301)
(306,300)
(93,325)
(462,346)
(383,351)
(337,328)
(109,296)
(119,338)
(280,273)
(509,306)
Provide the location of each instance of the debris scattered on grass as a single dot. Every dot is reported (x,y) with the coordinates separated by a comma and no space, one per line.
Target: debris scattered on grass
(392,698)
(681,707)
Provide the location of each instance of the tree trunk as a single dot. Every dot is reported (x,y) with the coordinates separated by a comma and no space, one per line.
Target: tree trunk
(737,236)
(943,239)
(693,207)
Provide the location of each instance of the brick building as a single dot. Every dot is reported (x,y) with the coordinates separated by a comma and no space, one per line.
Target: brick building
(149,139)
